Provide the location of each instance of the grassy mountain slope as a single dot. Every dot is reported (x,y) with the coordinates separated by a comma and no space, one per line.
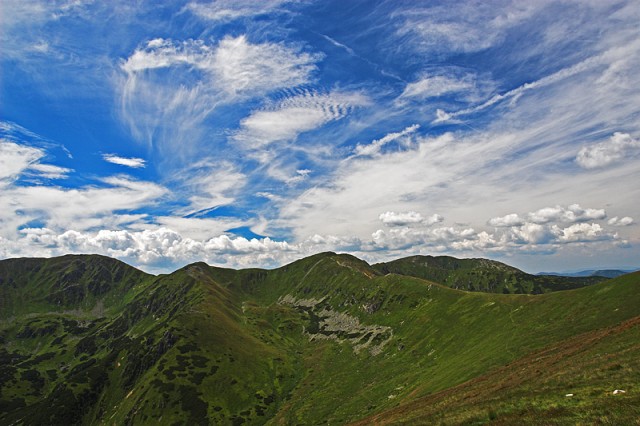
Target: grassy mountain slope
(481,275)
(324,339)
(64,283)
(572,381)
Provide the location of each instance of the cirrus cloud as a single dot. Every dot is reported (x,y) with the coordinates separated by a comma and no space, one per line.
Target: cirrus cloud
(305,111)
(132,162)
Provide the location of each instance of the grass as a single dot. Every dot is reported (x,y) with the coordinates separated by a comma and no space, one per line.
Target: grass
(208,345)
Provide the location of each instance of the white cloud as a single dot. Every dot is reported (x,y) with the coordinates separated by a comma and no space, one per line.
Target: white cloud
(79,208)
(133,162)
(624,221)
(227,10)
(432,86)
(242,66)
(169,110)
(15,158)
(620,146)
(18,159)
(509,220)
(473,27)
(532,233)
(400,219)
(571,214)
(514,94)
(50,171)
(303,112)
(235,65)
(374,147)
(208,184)
(162,247)
(581,232)
(407,218)
(301,175)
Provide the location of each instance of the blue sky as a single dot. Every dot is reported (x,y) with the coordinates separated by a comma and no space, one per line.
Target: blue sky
(247,133)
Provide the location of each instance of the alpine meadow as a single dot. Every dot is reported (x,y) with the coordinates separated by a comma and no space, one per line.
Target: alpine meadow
(319,212)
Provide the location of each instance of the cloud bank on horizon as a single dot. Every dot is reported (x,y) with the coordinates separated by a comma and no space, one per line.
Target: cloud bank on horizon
(249,133)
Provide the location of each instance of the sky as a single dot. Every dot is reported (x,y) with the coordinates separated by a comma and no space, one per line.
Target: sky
(253,133)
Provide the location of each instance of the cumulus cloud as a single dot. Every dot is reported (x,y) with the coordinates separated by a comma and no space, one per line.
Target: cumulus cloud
(132,162)
(573,213)
(620,146)
(549,226)
(623,221)
(446,238)
(513,233)
(400,219)
(302,112)
(163,248)
(408,218)
(532,233)
(581,232)
(151,246)
(509,220)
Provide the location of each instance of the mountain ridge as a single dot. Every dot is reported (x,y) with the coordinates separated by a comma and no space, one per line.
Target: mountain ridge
(481,275)
(325,338)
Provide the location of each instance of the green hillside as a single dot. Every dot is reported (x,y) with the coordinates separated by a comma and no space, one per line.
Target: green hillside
(327,339)
(482,275)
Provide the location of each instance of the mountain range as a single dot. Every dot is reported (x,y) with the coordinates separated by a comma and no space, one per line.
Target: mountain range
(329,339)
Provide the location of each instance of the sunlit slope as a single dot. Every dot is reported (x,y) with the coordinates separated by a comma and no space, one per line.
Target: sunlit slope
(324,339)
(573,381)
(481,275)
(439,337)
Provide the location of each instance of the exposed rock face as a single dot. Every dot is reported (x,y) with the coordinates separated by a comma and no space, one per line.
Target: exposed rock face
(326,323)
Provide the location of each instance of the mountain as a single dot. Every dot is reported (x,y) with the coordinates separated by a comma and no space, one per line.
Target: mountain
(326,339)
(607,273)
(481,275)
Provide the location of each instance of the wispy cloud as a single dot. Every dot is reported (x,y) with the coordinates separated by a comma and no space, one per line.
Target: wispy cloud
(208,184)
(340,45)
(19,159)
(519,91)
(203,77)
(431,86)
(302,112)
(80,208)
(227,10)
(15,158)
(132,162)
(50,171)
(472,28)
(280,116)
(376,146)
